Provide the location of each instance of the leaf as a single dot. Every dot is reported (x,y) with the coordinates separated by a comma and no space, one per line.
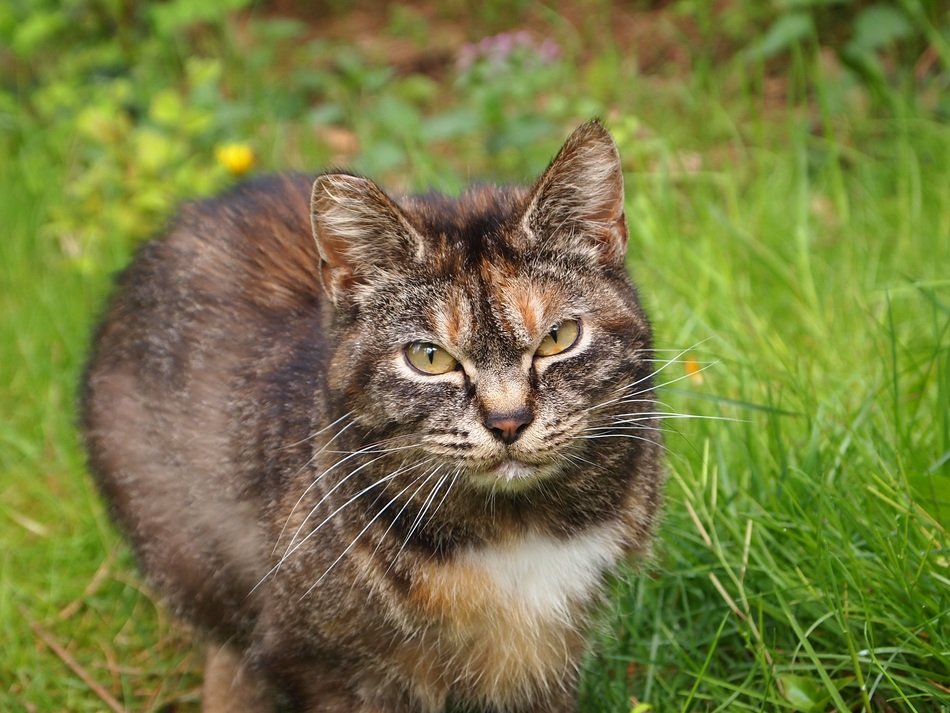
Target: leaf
(166,107)
(397,116)
(416,88)
(784,32)
(154,151)
(276,29)
(171,17)
(449,124)
(33,31)
(383,156)
(102,124)
(803,693)
(878,26)
(326,113)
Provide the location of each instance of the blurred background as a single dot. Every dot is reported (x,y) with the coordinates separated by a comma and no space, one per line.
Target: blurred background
(787,165)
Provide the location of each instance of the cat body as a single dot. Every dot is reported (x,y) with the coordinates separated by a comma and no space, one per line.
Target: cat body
(383,453)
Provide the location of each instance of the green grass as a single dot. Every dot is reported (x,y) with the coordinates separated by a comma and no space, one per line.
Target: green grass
(799,246)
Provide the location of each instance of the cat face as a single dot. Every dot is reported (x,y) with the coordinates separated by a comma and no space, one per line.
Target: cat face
(492,337)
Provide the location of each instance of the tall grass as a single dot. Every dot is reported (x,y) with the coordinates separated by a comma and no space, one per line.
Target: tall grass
(803,562)
(796,249)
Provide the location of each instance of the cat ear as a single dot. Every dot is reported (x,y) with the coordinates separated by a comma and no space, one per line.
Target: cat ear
(359,230)
(577,204)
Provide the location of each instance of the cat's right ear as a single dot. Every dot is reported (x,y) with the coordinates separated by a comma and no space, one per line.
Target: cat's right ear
(577,206)
(359,231)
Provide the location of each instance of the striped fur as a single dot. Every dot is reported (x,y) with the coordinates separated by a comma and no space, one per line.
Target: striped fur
(350,533)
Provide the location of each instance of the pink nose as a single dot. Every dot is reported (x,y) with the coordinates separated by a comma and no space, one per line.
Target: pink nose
(508,427)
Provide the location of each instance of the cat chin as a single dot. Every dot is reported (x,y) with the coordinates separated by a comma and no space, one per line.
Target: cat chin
(513,475)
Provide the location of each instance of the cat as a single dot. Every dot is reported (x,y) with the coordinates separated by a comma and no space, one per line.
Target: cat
(384,453)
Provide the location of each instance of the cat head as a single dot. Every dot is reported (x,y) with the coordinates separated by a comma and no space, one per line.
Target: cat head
(492,332)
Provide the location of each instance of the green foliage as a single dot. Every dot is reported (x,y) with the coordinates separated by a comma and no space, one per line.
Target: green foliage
(139,134)
(797,241)
(866,37)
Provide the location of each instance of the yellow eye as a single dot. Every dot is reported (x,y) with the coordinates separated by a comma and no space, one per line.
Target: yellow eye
(562,336)
(430,358)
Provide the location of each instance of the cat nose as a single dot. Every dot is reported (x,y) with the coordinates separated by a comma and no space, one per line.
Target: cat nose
(508,427)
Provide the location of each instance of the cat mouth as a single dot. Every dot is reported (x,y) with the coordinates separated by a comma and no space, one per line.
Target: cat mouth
(511,469)
(512,474)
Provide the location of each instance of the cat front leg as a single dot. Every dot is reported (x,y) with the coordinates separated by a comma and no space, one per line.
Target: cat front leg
(230,686)
(302,685)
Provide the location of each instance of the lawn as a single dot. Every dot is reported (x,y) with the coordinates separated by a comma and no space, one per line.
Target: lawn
(788,195)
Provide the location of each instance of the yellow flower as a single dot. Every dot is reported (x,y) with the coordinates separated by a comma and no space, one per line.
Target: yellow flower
(237,158)
(693,370)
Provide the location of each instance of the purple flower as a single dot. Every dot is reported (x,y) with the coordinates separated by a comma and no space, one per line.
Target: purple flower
(507,48)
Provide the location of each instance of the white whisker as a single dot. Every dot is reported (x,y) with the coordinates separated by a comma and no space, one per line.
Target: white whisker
(329,492)
(645,429)
(317,433)
(680,378)
(623,435)
(454,478)
(392,522)
(307,463)
(643,416)
(294,547)
(361,532)
(422,511)
(623,389)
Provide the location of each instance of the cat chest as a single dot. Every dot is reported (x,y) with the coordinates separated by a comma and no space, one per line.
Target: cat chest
(511,617)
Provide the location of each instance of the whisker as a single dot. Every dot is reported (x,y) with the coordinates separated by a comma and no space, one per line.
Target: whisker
(367,450)
(381,444)
(575,458)
(377,449)
(307,463)
(312,458)
(651,429)
(681,351)
(370,449)
(307,489)
(427,502)
(623,435)
(665,363)
(317,433)
(418,519)
(380,481)
(678,378)
(650,402)
(627,387)
(453,479)
(677,361)
(639,417)
(361,532)
(392,522)
(628,398)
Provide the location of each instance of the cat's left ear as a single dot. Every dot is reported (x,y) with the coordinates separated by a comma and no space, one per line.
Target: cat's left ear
(577,204)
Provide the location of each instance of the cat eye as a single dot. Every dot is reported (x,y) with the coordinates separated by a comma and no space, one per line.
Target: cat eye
(561,337)
(430,358)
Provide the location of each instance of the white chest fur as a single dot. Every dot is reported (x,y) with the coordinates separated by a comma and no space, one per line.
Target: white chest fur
(508,619)
(543,575)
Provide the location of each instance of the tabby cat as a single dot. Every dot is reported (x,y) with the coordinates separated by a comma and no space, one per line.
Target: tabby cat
(384,452)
